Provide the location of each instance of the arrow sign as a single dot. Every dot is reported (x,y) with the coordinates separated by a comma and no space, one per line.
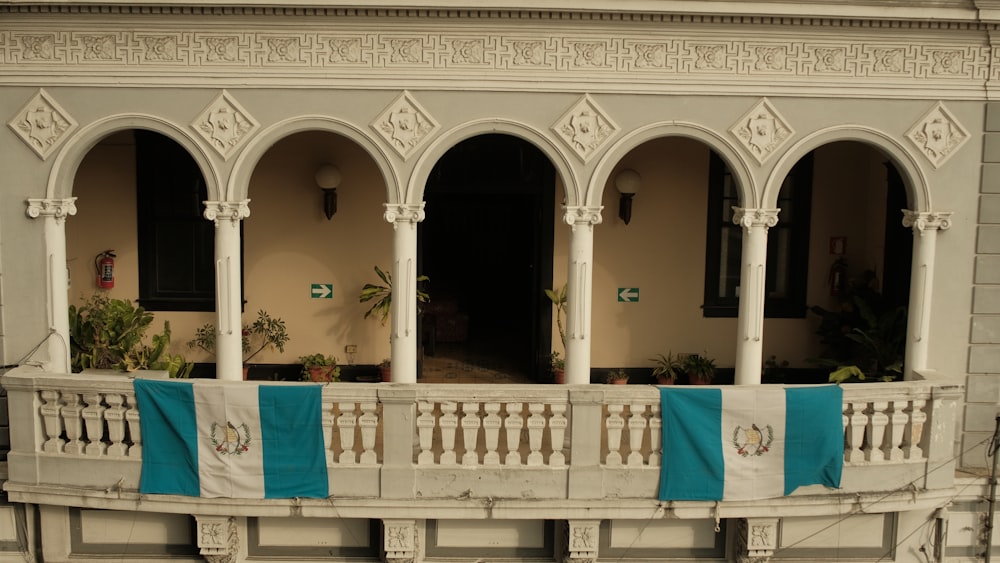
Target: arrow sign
(322,291)
(628,294)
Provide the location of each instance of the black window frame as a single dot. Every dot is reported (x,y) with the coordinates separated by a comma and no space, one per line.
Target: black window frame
(791,231)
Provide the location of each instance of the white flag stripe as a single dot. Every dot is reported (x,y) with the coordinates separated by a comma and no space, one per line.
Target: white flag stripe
(234,475)
(750,471)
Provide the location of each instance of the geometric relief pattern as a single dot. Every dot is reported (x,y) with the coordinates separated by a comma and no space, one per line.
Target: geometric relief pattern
(224,124)
(938,135)
(42,124)
(761,130)
(585,128)
(405,125)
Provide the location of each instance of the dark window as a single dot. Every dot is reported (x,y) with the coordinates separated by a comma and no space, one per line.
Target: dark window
(787,245)
(176,242)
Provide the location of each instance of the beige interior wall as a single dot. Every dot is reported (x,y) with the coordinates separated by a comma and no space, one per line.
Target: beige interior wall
(289,245)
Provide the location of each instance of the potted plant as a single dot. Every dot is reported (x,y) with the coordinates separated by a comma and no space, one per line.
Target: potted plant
(700,369)
(616,377)
(558,368)
(319,368)
(266,332)
(667,369)
(385,370)
(380,294)
(558,299)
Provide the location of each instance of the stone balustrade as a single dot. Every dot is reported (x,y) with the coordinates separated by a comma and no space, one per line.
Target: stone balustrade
(80,436)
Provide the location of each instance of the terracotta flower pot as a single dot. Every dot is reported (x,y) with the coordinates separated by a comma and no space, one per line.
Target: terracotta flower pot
(321,374)
(386,372)
(558,376)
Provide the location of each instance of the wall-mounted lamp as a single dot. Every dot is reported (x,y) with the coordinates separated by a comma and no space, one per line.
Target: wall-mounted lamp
(328,178)
(627,181)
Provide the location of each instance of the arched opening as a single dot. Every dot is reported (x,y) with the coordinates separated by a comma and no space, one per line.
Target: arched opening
(486,245)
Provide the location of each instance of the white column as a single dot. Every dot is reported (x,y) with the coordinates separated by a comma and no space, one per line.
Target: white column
(925,227)
(54,213)
(750,324)
(579,291)
(403,322)
(228,295)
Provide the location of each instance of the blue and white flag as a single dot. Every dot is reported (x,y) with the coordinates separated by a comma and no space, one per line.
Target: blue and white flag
(231,440)
(747,443)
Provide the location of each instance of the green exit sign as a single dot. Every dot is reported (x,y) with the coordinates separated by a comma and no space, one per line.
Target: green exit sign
(628,294)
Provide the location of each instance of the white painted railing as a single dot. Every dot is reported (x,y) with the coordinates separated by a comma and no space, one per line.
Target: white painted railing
(444,441)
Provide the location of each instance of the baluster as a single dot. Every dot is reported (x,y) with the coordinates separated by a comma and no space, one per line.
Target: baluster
(73,422)
(536,430)
(859,421)
(346,423)
(655,435)
(557,428)
(369,428)
(876,431)
(328,422)
(470,434)
(93,417)
(514,423)
(897,423)
(115,417)
(132,416)
(492,424)
(915,429)
(448,423)
(636,432)
(614,424)
(425,428)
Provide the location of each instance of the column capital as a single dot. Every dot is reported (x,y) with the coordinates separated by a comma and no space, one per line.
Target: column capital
(404,213)
(57,208)
(921,221)
(748,218)
(234,211)
(582,215)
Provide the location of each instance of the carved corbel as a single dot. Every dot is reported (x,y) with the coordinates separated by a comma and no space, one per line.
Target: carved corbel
(756,539)
(582,541)
(399,541)
(218,538)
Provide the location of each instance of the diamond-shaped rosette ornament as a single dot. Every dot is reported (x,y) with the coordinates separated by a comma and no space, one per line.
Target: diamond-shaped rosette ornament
(585,128)
(761,130)
(225,125)
(938,135)
(405,125)
(42,124)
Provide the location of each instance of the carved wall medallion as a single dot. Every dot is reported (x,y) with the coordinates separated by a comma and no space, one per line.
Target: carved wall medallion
(589,54)
(98,47)
(888,60)
(770,59)
(224,49)
(159,48)
(650,55)
(345,50)
(830,59)
(39,47)
(761,130)
(585,128)
(283,50)
(224,124)
(711,57)
(404,125)
(42,124)
(938,135)
(468,51)
(528,53)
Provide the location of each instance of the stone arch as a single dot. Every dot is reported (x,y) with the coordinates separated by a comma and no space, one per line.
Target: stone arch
(60,184)
(737,165)
(239,181)
(447,140)
(915,181)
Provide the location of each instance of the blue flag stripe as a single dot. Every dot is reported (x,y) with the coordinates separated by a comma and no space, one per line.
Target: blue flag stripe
(294,453)
(693,468)
(814,441)
(170,438)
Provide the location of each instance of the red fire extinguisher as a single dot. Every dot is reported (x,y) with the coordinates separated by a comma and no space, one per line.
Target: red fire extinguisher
(838,277)
(105,264)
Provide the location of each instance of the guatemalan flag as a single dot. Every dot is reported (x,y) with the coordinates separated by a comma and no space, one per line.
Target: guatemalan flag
(753,442)
(231,440)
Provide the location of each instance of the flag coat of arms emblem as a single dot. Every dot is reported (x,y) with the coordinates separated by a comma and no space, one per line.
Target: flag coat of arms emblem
(231,440)
(748,443)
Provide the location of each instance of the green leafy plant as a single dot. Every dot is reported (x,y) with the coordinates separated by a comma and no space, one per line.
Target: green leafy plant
(266,332)
(317,367)
(616,375)
(666,368)
(110,334)
(558,299)
(556,362)
(699,368)
(381,296)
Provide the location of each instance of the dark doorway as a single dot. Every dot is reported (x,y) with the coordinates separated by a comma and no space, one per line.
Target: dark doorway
(486,245)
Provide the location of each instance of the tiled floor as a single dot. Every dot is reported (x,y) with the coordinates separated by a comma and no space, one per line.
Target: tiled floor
(454,364)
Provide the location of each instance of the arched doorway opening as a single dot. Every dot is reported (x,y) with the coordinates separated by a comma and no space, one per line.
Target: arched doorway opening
(486,245)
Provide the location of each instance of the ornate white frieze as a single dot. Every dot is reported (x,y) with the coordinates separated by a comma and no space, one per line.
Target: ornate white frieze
(224,124)
(761,130)
(234,211)
(218,539)
(405,125)
(938,135)
(585,128)
(927,220)
(748,218)
(42,124)
(57,208)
